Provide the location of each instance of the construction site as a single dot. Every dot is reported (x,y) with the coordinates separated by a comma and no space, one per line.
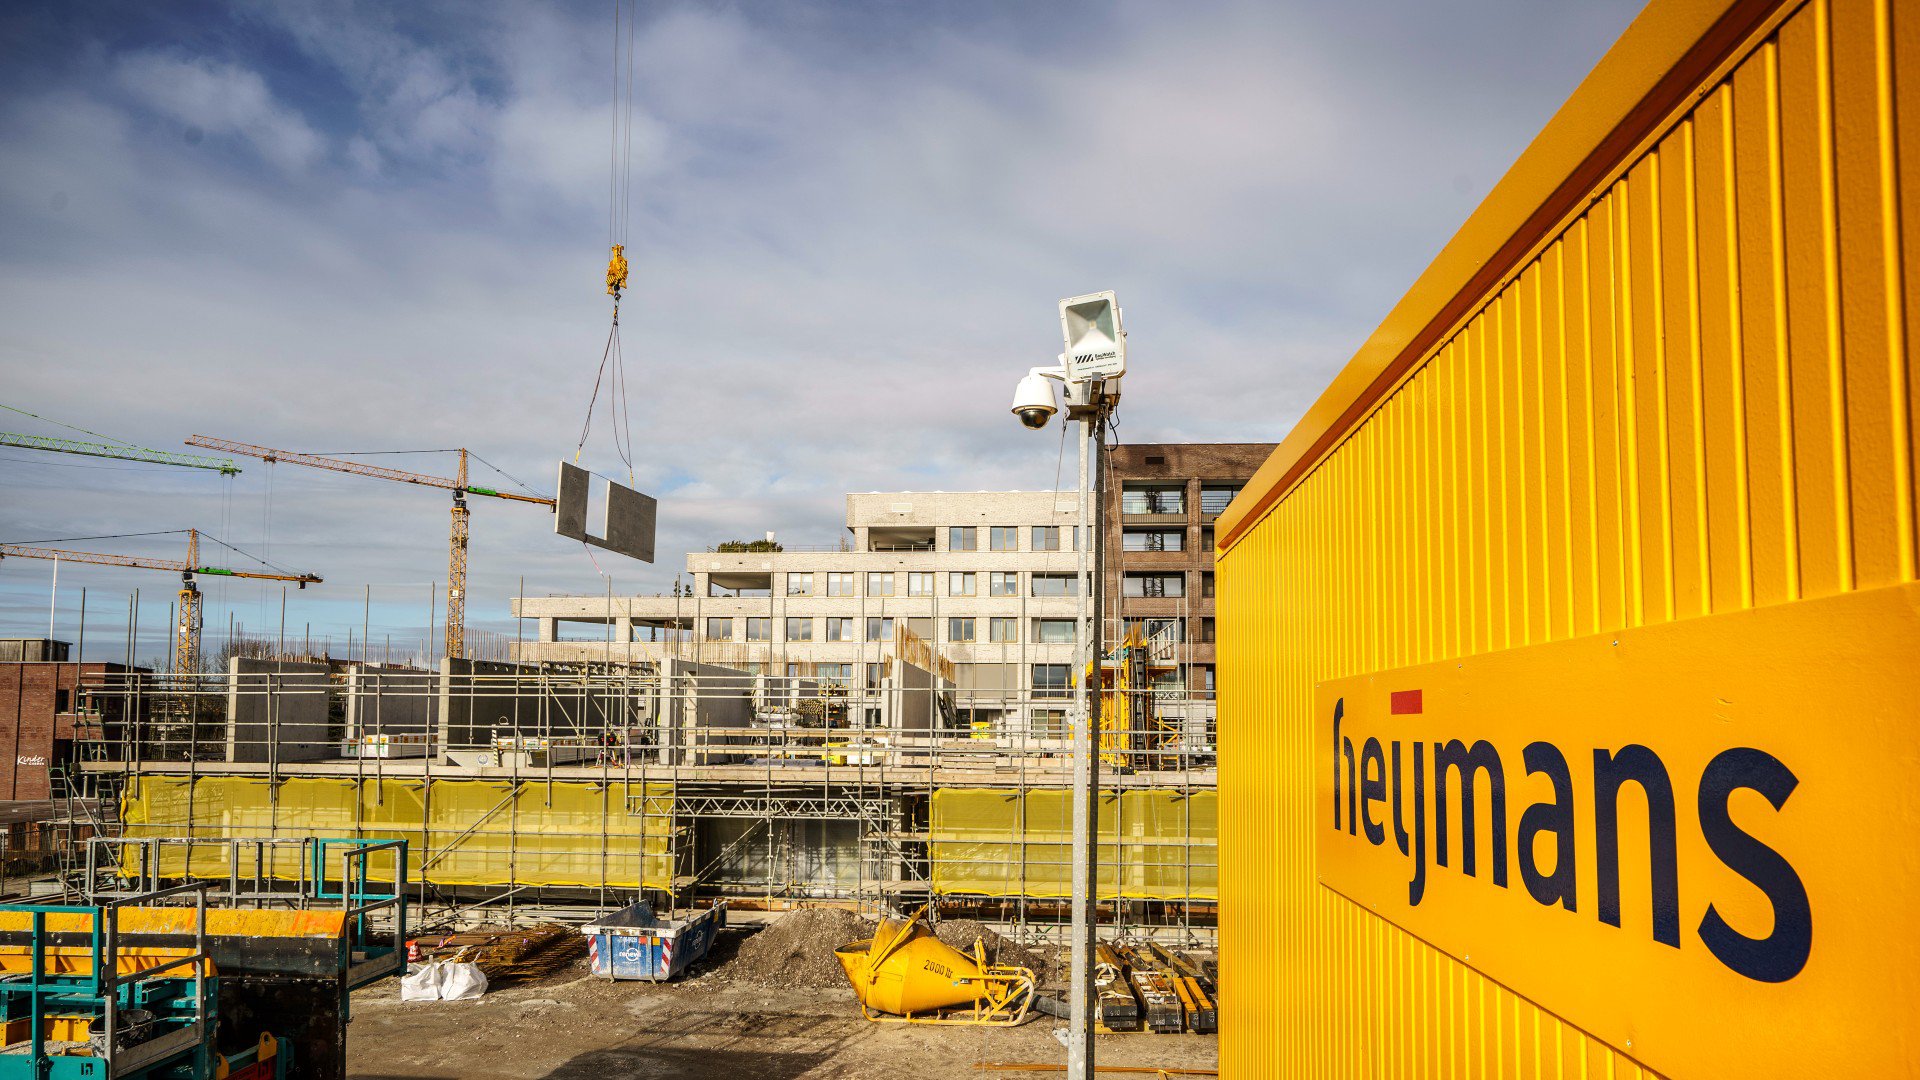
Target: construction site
(1511,715)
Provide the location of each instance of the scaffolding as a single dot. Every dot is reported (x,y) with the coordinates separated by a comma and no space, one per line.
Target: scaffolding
(559,790)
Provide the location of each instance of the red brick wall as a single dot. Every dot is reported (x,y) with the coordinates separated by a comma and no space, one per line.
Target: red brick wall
(30,726)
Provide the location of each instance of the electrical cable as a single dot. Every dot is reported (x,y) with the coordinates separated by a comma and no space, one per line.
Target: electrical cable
(76,465)
(248,554)
(104,536)
(69,427)
(613,141)
(612,370)
(528,488)
(370,453)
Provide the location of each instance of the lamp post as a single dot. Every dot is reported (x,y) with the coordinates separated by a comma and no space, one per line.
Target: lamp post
(1091,368)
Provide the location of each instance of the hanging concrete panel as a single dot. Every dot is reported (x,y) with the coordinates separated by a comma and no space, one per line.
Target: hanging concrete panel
(597,511)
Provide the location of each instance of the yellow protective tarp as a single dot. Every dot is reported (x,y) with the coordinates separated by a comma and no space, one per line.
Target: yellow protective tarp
(1154,845)
(458,832)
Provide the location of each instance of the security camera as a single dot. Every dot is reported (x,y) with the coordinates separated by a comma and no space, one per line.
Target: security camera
(1033,400)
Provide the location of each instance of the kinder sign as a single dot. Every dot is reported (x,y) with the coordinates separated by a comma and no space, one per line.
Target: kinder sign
(1699,842)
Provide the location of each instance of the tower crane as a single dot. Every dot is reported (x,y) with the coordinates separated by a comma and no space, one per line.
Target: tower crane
(186,657)
(224,466)
(457,537)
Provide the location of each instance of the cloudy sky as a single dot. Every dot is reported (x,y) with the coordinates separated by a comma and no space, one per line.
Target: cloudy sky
(376,227)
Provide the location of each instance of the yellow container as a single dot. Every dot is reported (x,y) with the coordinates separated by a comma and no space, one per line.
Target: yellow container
(906,972)
(1611,523)
(903,969)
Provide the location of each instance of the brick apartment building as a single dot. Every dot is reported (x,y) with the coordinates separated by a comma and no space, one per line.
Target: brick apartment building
(1162,499)
(42,703)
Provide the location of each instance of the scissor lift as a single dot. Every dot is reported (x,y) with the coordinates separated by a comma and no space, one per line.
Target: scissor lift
(136,983)
(79,1001)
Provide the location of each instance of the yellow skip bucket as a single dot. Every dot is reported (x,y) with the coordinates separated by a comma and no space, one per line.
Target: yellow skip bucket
(903,972)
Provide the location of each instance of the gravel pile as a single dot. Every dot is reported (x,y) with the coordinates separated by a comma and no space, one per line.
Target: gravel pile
(796,952)
(960,933)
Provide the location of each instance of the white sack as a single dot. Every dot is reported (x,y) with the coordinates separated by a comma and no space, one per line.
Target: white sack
(462,982)
(423,984)
(441,980)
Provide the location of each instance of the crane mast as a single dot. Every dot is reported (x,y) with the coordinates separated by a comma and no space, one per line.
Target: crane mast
(456,634)
(457,569)
(186,641)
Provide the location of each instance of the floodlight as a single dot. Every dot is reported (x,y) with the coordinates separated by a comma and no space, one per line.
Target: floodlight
(1096,343)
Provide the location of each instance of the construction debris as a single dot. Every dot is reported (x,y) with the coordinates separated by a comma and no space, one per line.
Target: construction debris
(961,934)
(796,952)
(507,956)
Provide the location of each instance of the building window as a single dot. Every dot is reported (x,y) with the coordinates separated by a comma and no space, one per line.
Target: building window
(800,584)
(1153,585)
(1163,630)
(799,629)
(920,583)
(62,700)
(1215,497)
(1056,584)
(1003,629)
(880,584)
(1046,538)
(720,629)
(835,674)
(1003,583)
(1004,538)
(880,629)
(839,628)
(1053,631)
(1206,630)
(959,629)
(959,584)
(875,672)
(1204,673)
(1206,539)
(1153,499)
(840,584)
(1153,540)
(1049,723)
(963,538)
(1206,583)
(1052,680)
(759,629)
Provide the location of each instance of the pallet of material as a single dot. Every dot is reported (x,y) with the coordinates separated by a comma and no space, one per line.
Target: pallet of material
(1202,1017)
(1153,985)
(1114,1006)
(506,956)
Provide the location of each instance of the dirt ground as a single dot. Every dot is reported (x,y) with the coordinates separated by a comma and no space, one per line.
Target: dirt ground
(577,1027)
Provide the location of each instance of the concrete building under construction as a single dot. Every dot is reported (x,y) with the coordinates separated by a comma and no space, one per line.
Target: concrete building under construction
(877,722)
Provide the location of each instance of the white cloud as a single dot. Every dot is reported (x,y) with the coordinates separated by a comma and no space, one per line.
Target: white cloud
(845,250)
(215,98)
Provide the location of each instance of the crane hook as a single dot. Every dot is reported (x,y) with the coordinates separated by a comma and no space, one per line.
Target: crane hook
(617,272)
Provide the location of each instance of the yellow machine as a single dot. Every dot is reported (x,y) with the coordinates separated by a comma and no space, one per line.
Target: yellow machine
(904,974)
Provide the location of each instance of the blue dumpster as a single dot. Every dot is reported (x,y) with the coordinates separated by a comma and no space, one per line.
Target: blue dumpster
(636,943)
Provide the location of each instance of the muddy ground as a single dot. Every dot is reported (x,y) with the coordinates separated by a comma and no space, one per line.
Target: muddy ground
(577,1027)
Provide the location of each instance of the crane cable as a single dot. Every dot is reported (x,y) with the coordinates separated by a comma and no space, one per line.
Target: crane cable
(612,371)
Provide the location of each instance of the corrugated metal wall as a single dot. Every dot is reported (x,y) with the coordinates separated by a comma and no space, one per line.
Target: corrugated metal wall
(1696,398)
